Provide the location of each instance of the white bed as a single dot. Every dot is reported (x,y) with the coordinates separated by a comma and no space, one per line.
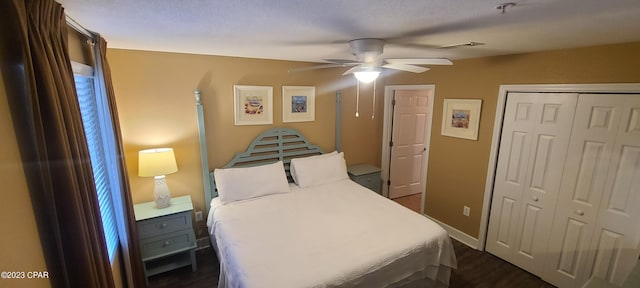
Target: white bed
(331,233)
(334,235)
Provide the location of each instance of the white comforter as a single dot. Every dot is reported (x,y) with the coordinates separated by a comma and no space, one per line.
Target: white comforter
(334,235)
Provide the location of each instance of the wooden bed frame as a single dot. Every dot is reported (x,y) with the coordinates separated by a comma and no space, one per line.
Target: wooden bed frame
(272,145)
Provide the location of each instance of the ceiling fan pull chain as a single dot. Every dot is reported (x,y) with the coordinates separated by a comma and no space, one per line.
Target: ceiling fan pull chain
(373,108)
(357,97)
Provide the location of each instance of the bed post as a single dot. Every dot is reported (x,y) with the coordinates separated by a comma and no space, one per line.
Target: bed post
(206,180)
(339,121)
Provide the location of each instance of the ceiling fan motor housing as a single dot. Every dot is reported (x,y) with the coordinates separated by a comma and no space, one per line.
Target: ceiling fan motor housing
(367,50)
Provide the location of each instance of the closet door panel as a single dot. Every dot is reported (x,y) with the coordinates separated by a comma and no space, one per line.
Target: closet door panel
(548,150)
(588,162)
(575,236)
(534,141)
(510,174)
(617,229)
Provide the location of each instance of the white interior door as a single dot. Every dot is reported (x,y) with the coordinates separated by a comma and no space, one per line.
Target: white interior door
(409,147)
(596,227)
(615,246)
(533,144)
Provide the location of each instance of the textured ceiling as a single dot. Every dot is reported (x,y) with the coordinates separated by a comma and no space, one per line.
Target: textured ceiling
(316,30)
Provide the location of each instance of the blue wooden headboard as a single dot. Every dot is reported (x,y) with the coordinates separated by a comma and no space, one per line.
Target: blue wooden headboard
(277,144)
(273,145)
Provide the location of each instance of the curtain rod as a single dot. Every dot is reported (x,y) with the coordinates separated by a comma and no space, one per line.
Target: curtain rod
(76,26)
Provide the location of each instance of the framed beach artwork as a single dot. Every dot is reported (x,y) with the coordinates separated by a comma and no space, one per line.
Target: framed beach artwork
(461,118)
(253,105)
(298,103)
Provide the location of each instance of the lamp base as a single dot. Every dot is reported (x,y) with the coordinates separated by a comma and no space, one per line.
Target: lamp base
(161,194)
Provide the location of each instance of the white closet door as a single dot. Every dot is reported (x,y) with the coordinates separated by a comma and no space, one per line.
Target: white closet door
(596,225)
(533,145)
(617,230)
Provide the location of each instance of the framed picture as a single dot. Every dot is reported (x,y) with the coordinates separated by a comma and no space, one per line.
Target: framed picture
(298,103)
(461,118)
(253,105)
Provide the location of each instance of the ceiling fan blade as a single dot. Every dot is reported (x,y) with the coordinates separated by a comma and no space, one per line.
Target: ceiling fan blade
(405,67)
(342,61)
(322,66)
(420,61)
(464,44)
(353,69)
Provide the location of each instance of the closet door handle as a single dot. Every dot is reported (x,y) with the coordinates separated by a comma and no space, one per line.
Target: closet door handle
(580,212)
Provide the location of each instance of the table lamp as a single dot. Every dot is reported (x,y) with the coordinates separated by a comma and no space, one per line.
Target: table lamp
(157,163)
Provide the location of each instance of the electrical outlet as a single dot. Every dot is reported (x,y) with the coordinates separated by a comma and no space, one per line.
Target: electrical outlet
(466,211)
(198,216)
(202,243)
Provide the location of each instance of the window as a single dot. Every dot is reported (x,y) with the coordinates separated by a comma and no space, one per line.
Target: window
(100,141)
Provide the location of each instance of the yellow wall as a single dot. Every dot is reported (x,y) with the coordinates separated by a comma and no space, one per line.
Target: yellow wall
(20,249)
(156,106)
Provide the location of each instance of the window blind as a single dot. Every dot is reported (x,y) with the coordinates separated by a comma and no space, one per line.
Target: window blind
(91,119)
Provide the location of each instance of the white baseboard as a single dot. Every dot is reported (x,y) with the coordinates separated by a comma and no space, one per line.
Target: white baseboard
(464,238)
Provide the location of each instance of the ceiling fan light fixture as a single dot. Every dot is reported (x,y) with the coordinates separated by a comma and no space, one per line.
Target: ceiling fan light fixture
(367,75)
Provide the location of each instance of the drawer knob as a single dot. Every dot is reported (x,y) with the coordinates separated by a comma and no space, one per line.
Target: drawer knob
(535,198)
(163,225)
(580,212)
(166,243)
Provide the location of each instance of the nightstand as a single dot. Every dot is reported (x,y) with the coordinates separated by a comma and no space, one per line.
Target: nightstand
(166,236)
(367,176)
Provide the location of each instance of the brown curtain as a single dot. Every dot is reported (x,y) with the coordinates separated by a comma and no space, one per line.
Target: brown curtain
(128,241)
(41,93)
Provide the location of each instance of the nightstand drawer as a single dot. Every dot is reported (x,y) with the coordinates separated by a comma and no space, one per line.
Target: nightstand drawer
(166,244)
(163,225)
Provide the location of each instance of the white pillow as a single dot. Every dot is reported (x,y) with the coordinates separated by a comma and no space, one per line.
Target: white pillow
(235,184)
(292,168)
(317,170)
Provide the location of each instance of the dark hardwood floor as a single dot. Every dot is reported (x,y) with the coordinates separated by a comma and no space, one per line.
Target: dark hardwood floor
(475,269)
(205,276)
(481,269)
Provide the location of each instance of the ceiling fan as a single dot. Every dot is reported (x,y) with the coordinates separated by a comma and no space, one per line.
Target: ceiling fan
(369,63)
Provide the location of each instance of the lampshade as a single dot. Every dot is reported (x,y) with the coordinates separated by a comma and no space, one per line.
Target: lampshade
(156,162)
(367,75)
